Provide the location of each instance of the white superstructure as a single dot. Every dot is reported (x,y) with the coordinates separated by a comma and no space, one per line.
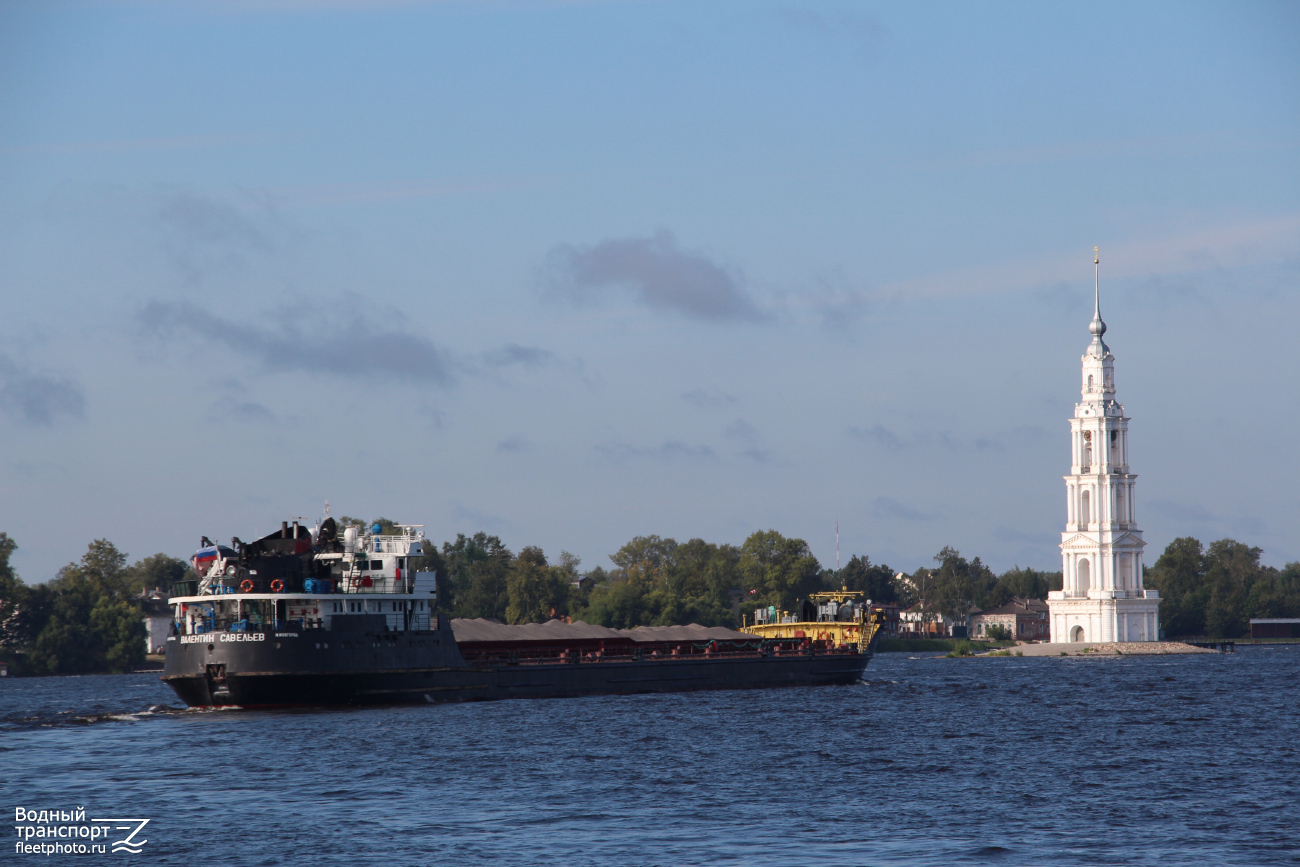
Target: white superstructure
(1101,549)
(369,573)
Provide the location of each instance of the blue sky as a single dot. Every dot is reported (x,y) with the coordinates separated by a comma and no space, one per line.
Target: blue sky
(575,272)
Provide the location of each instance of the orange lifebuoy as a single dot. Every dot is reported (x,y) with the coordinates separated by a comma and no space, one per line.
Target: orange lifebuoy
(246,586)
(277,585)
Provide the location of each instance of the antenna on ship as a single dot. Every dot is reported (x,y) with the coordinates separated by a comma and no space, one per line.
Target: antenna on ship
(837,544)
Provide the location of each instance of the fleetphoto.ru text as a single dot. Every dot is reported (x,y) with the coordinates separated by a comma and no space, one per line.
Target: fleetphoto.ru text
(69,832)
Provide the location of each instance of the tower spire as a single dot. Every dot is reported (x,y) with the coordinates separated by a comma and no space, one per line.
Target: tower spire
(1097,327)
(1096,283)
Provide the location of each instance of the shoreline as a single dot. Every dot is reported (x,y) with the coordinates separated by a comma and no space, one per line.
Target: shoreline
(1099,649)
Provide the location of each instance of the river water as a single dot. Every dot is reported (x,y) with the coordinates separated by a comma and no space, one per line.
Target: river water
(1136,760)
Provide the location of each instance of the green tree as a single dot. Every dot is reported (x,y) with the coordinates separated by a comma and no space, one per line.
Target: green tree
(105,566)
(91,625)
(916,589)
(958,583)
(722,577)
(875,581)
(537,591)
(158,572)
(16,608)
(651,553)
(1231,571)
(1023,584)
(1179,575)
(616,603)
(478,567)
(580,596)
(659,582)
(688,573)
(118,634)
(1276,593)
(1216,591)
(570,563)
(7,574)
(454,563)
(487,593)
(700,583)
(782,570)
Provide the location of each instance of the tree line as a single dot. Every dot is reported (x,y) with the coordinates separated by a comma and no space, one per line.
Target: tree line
(660,581)
(88,617)
(1216,591)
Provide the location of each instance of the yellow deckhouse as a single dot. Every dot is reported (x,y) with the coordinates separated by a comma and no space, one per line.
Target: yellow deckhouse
(835,618)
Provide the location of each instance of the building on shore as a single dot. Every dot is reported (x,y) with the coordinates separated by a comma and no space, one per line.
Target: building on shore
(1102,598)
(1023,619)
(920,622)
(1275,627)
(157,621)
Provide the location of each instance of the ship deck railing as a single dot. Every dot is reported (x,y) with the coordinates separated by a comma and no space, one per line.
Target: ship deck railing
(343,587)
(403,546)
(392,622)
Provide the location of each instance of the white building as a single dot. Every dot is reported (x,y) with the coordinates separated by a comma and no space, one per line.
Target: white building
(157,621)
(1101,549)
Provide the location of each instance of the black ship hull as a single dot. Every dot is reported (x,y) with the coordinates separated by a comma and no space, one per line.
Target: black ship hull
(306,669)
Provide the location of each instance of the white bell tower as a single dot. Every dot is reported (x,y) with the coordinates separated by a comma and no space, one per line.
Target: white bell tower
(1102,598)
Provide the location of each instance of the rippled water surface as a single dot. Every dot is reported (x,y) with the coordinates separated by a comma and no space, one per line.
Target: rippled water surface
(1137,760)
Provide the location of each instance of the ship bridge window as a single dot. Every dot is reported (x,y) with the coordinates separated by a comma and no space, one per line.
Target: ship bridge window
(376,565)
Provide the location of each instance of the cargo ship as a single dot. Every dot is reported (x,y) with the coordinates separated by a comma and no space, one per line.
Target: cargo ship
(315,616)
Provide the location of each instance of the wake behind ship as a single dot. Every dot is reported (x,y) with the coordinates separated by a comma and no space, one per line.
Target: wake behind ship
(314,617)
